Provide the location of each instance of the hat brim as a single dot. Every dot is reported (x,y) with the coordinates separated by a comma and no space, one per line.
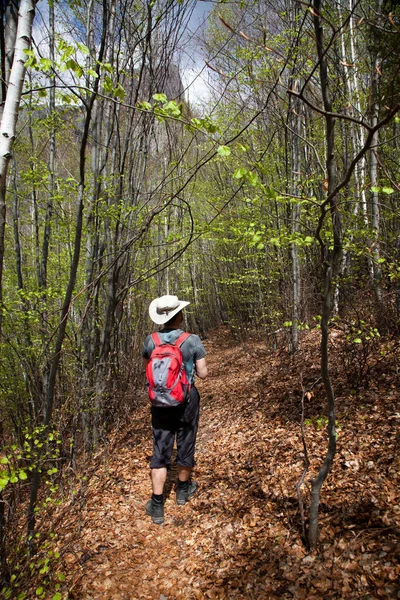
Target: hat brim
(160,319)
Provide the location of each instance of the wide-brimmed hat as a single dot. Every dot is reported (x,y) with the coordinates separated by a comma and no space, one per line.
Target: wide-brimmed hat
(164,308)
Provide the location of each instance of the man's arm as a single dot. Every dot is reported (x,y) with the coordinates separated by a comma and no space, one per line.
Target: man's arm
(201,368)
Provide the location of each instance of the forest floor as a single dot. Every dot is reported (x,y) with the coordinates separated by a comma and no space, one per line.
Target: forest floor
(240,537)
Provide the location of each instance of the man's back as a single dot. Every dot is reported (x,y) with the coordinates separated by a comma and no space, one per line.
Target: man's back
(192,350)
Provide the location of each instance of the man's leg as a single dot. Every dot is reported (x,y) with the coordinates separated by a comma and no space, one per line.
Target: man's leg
(186,441)
(184,473)
(163,442)
(158,479)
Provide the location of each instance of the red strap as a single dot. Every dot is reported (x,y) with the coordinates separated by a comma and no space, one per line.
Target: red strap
(184,336)
(156,339)
(178,342)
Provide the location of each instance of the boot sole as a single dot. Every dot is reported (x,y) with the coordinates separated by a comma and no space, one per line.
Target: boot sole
(156,520)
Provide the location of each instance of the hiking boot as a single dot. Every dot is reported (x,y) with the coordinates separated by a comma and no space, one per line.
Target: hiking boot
(156,511)
(183,494)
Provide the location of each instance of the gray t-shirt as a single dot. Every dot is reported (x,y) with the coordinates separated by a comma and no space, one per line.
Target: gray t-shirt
(192,348)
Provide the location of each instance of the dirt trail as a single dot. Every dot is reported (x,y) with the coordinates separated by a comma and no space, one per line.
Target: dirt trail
(239,537)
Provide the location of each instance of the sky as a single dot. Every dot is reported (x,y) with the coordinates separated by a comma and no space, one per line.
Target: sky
(194,72)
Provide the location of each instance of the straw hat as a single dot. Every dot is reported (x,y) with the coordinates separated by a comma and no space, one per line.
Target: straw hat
(164,308)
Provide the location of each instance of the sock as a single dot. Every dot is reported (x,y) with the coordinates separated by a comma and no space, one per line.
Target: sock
(157,498)
(182,485)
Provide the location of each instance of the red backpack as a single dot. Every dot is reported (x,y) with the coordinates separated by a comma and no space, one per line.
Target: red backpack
(166,376)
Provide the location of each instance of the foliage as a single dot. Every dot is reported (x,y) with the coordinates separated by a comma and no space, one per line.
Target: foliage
(40,451)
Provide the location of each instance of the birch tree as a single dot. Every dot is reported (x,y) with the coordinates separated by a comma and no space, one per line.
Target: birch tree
(12,103)
(15,39)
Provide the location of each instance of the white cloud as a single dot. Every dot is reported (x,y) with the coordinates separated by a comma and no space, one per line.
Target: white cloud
(195,81)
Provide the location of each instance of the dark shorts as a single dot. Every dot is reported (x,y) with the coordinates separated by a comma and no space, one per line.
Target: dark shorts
(179,423)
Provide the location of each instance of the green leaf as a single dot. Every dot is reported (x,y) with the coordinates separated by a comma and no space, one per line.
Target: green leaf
(252,179)
(160,97)
(119,92)
(173,108)
(57,596)
(39,591)
(205,124)
(107,67)
(144,105)
(108,84)
(224,151)
(46,64)
(287,324)
(270,193)
(375,189)
(84,49)
(387,190)
(22,475)
(3,482)
(275,242)
(74,66)
(357,341)
(240,173)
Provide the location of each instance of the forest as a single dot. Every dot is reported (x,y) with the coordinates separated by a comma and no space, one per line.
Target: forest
(243,155)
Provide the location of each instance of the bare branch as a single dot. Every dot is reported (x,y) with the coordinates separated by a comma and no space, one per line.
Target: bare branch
(325,113)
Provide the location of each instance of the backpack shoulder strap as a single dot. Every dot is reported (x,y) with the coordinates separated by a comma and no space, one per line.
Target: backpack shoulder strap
(156,339)
(184,336)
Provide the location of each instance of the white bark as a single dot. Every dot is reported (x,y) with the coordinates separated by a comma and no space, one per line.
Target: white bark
(16,82)
(357,135)
(296,213)
(375,212)
(10,33)
(11,107)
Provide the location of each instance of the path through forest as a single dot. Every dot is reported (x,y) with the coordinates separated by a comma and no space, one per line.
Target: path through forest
(240,537)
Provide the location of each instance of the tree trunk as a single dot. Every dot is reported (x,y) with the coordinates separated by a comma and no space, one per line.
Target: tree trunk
(52,152)
(331,268)
(375,212)
(8,34)
(295,176)
(10,114)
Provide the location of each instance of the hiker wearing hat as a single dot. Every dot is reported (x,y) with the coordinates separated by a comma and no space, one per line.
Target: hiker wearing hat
(173,358)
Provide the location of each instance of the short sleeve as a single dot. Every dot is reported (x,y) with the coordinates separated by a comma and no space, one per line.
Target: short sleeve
(148,347)
(198,348)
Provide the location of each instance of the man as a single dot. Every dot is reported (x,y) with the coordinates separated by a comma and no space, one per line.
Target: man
(179,422)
